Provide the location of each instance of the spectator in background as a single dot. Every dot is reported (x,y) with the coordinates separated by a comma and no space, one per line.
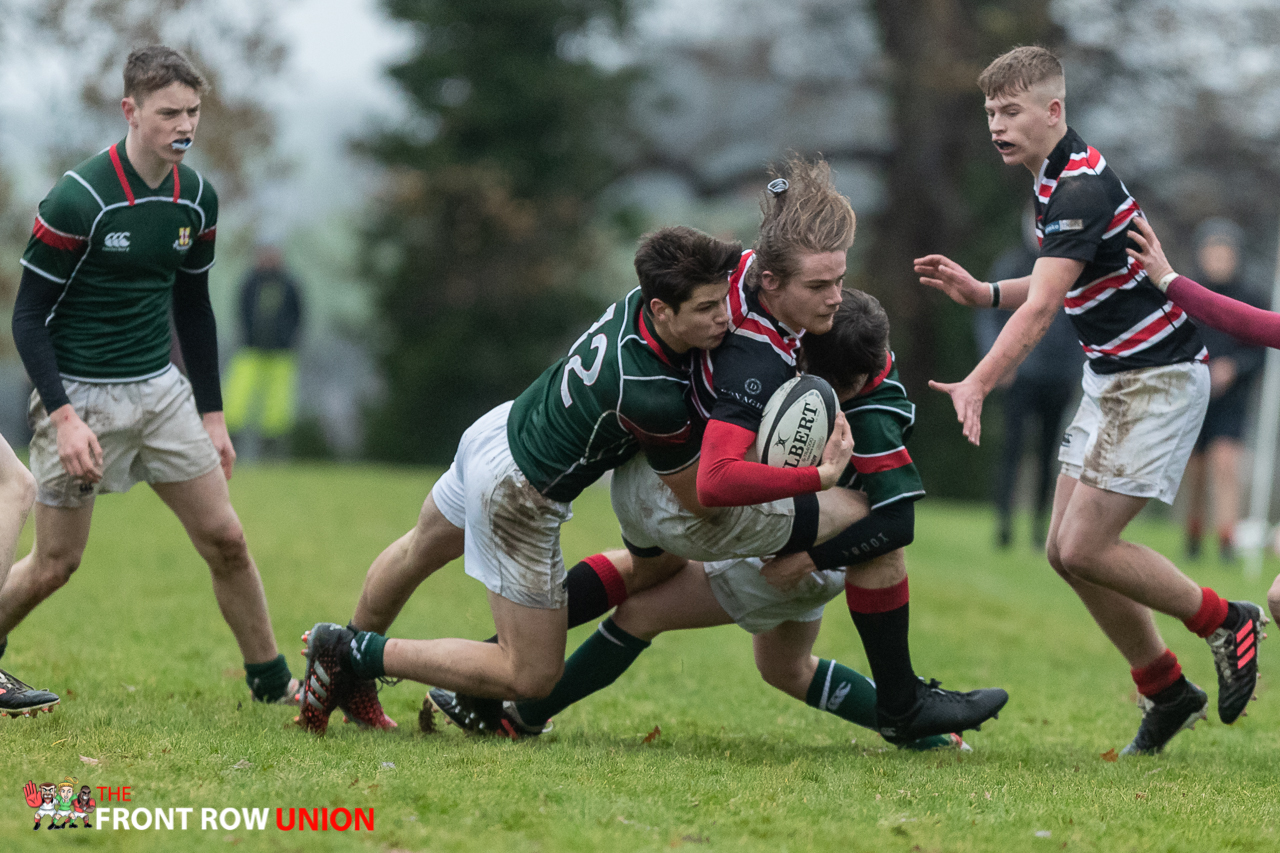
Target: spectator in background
(1040,391)
(262,380)
(1232,368)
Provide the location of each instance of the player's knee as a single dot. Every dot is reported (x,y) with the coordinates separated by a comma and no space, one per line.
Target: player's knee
(779,676)
(17,486)
(55,568)
(228,546)
(537,681)
(1273,600)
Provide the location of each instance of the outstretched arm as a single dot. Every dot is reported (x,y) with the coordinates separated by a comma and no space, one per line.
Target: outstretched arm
(942,273)
(1243,322)
(1050,281)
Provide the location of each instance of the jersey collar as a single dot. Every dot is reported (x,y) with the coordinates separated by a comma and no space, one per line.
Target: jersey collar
(120,159)
(874,382)
(1057,160)
(665,354)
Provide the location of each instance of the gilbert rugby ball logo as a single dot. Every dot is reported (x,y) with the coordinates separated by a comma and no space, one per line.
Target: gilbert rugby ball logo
(117,241)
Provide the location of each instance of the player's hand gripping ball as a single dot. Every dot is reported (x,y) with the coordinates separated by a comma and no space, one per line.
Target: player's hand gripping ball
(798,419)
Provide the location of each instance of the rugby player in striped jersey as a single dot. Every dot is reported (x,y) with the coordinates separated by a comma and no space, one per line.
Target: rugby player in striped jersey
(623,387)
(1146,388)
(729,579)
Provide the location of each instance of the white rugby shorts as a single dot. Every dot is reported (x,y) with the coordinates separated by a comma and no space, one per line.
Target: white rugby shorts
(651,517)
(512,542)
(150,432)
(756,606)
(1135,430)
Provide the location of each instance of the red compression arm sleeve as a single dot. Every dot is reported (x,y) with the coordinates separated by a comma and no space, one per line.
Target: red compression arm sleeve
(1244,322)
(725,478)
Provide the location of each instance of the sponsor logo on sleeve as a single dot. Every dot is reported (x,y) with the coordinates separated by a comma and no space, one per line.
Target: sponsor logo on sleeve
(1064,225)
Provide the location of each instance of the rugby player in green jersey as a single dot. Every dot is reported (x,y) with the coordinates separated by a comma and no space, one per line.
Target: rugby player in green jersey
(623,387)
(122,238)
(728,582)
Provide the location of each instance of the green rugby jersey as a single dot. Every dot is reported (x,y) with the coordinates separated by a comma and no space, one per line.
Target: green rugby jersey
(619,390)
(881,419)
(115,245)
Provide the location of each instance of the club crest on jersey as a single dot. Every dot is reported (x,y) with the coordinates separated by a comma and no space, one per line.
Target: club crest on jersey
(184,240)
(117,241)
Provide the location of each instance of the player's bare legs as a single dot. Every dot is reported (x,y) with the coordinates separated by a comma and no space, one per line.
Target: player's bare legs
(526,661)
(403,565)
(785,659)
(17,494)
(203,505)
(1128,624)
(1088,546)
(880,572)
(61,536)
(683,602)
(1273,599)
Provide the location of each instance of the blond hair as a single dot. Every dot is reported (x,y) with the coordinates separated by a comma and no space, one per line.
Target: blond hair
(803,213)
(1021,69)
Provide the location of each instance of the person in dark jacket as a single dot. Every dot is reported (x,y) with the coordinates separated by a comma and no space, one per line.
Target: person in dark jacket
(1233,367)
(262,380)
(1042,388)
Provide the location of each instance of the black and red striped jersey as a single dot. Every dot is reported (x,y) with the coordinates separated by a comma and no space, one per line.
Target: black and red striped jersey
(1083,211)
(733,382)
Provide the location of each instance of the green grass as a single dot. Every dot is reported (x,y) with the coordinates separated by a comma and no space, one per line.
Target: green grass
(153,691)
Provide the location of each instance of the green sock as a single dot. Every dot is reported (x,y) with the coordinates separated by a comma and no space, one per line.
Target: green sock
(595,665)
(845,693)
(852,696)
(268,681)
(366,655)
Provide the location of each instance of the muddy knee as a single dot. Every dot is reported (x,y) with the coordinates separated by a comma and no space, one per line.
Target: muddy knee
(225,548)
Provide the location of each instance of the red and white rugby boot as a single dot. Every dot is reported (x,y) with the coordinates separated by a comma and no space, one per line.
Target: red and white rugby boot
(328,677)
(361,706)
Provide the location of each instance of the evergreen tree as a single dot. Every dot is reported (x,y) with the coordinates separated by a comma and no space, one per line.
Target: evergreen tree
(479,244)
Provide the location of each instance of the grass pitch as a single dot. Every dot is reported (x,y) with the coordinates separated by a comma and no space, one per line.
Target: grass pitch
(154,699)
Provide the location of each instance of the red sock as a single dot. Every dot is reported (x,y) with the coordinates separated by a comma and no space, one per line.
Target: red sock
(862,600)
(1161,674)
(608,573)
(1210,616)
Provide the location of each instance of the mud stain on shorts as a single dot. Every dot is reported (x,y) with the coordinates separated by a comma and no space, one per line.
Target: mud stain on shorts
(1126,403)
(518,515)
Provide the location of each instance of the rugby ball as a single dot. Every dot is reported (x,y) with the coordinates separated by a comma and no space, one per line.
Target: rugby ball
(797,421)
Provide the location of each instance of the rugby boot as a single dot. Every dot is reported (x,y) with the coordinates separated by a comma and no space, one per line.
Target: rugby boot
(937,742)
(328,677)
(361,706)
(516,728)
(19,698)
(940,712)
(1235,654)
(1162,720)
(472,714)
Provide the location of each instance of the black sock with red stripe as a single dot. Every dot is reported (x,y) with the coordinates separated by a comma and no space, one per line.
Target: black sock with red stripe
(595,587)
(882,617)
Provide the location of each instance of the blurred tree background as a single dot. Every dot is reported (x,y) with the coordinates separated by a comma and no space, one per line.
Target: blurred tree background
(482,241)
(539,138)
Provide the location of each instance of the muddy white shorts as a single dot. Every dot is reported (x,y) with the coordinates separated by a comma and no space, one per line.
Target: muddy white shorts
(1135,430)
(651,517)
(756,606)
(512,532)
(149,430)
